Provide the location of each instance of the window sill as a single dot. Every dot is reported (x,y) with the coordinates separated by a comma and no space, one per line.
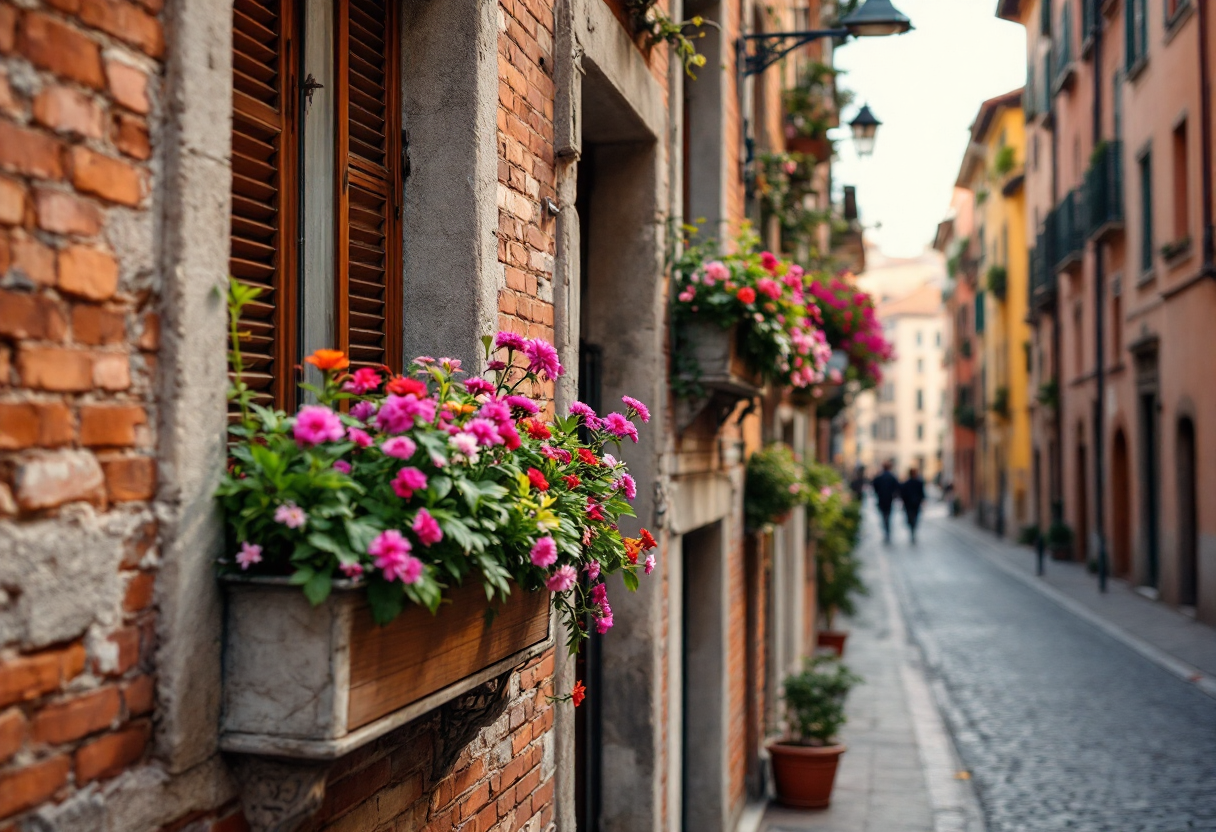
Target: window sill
(1174,24)
(1087,47)
(1109,7)
(1179,254)
(1137,69)
(1146,278)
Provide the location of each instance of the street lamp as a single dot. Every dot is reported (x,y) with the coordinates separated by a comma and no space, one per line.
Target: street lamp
(865,127)
(875,18)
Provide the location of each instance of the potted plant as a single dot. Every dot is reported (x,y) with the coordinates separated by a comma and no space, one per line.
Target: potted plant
(1059,540)
(804,764)
(835,525)
(772,488)
(406,535)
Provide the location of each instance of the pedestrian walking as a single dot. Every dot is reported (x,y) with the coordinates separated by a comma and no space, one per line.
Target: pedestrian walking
(858,485)
(912,494)
(886,488)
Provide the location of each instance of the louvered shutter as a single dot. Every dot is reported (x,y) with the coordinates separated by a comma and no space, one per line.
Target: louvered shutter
(369,183)
(264,191)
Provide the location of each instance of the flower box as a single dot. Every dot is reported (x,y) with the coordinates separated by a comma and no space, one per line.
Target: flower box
(716,354)
(315,683)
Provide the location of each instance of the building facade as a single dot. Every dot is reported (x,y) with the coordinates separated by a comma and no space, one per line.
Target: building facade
(400,179)
(1119,207)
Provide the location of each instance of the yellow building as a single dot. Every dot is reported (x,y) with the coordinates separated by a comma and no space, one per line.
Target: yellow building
(993,170)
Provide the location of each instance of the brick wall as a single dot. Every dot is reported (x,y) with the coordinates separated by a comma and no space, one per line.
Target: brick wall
(78,341)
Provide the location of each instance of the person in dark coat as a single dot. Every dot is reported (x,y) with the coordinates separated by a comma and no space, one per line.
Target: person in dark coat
(858,485)
(886,488)
(912,494)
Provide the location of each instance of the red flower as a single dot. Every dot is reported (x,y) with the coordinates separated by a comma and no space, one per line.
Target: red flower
(769,261)
(747,295)
(648,541)
(587,457)
(572,482)
(402,386)
(594,512)
(538,480)
(633,548)
(535,429)
(578,693)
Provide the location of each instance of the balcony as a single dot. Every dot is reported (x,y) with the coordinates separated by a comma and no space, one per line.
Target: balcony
(1066,226)
(1042,277)
(1104,191)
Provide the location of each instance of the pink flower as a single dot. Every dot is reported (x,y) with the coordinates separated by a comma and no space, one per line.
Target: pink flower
(593,570)
(316,424)
(464,444)
(716,271)
(290,515)
(769,261)
(361,438)
(628,485)
(496,411)
(423,360)
(363,411)
(642,410)
(510,436)
(562,579)
(544,552)
(452,365)
(687,295)
(485,431)
(604,623)
(342,465)
(427,528)
(398,413)
(400,447)
(542,358)
(509,340)
(496,365)
(392,553)
(769,287)
(599,594)
(407,481)
(618,425)
(351,570)
(362,380)
(649,565)
(250,554)
(477,385)
(523,403)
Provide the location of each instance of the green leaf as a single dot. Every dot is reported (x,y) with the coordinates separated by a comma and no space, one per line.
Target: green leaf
(386,600)
(440,487)
(317,588)
(631,580)
(326,543)
(302,576)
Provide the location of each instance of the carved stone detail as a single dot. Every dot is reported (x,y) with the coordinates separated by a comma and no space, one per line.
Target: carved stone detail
(461,719)
(279,796)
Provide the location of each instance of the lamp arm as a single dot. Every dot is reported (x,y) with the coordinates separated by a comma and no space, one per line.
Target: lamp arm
(773,46)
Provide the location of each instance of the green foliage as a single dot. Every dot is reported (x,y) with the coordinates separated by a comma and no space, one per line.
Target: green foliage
(1000,402)
(835,524)
(1005,161)
(1049,394)
(998,280)
(773,486)
(814,700)
(1029,535)
(1059,536)
(965,416)
(650,20)
(965,349)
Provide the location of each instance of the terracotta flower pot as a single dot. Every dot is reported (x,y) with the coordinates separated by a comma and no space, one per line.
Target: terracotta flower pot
(805,774)
(833,640)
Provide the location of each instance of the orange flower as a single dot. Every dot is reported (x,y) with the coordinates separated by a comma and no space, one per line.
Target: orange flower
(458,408)
(329,360)
(633,547)
(578,693)
(648,541)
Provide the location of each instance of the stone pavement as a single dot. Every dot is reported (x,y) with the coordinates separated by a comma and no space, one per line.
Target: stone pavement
(1171,639)
(899,774)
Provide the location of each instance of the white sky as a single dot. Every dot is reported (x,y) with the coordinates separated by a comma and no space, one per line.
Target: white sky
(925,87)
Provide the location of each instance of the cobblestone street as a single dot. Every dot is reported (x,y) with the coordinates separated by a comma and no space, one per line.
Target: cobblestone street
(1061,726)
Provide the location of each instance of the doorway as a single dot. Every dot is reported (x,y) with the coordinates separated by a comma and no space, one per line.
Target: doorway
(1148,443)
(1081,539)
(1188,532)
(704,784)
(1121,507)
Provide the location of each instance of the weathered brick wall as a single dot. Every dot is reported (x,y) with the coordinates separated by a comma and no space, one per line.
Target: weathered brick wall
(78,341)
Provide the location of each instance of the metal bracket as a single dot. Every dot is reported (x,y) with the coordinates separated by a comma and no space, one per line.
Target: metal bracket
(311,85)
(279,796)
(773,46)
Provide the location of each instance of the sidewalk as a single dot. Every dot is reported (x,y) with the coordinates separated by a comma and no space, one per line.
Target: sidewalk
(899,772)
(1180,644)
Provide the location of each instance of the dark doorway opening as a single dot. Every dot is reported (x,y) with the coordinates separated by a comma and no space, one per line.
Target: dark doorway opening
(1081,539)
(1152,522)
(1121,507)
(1188,520)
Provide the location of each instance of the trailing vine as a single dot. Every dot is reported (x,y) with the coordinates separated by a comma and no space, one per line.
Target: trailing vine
(658,27)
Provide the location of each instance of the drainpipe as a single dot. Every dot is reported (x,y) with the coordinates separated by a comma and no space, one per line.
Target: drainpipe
(1099,327)
(1057,473)
(1205,130)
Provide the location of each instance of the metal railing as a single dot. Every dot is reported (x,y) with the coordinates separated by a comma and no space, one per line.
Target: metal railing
(1104,190)
(1068,231)
(1042,276)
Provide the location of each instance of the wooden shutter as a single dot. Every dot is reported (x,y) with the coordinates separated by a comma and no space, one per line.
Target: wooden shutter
(369,169)
(264,191)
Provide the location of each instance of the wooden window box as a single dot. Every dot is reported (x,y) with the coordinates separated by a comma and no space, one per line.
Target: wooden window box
(314,683)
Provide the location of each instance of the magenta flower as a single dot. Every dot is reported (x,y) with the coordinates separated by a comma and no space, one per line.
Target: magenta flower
(407,481)
(510,436)
(465,444)
(715,272)
(342,465)
(361,438)
(476,386)
(392,553)
(316,424)
(250,554)
(485,431)
(290,515)
(542,358)
(427,528)
(593,570)
(768,286)
(580,409)
(496,411)
(452,365)
(363,411)
(562,579)
(618,425)
(604,623)
(351,570)
(628,484)
(400,447)
(398,413)
(599,594)
(424,360)
(523,403)
(544,552)
(362,380)
(649,566)
(642,410)
(509,340)
(496,365)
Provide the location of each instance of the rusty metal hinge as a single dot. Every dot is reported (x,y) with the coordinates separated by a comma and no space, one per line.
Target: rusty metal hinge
(310,86)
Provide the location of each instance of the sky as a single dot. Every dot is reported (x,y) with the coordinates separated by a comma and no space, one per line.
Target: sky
(925,87)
